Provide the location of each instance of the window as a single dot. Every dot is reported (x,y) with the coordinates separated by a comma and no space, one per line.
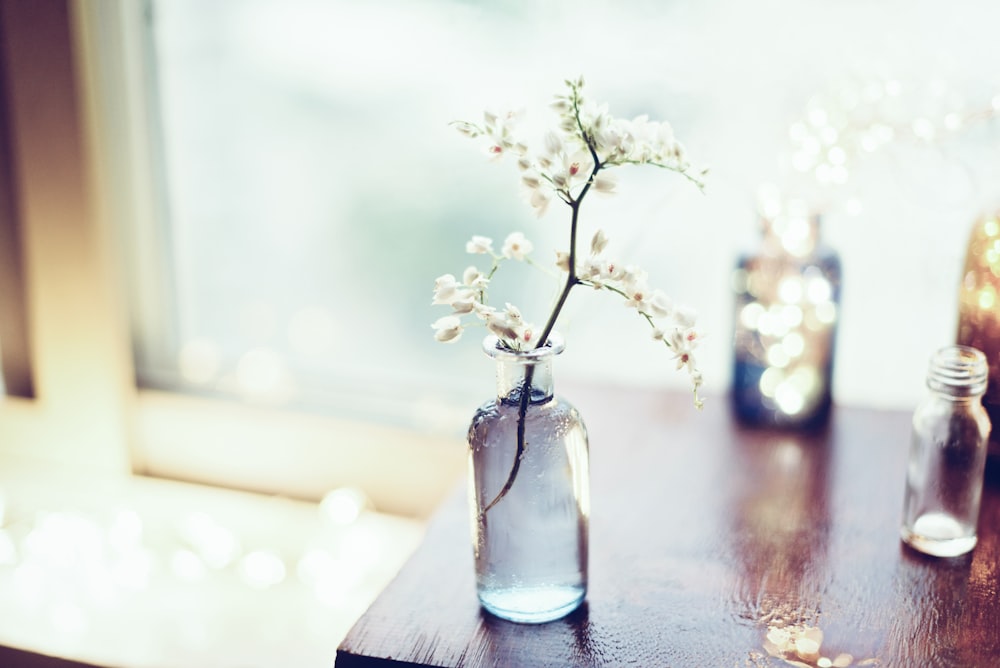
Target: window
(298,189)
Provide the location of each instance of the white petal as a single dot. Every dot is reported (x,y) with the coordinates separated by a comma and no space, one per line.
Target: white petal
(553,143)
(479,245)
(605,183)
(599,242)
(685,316)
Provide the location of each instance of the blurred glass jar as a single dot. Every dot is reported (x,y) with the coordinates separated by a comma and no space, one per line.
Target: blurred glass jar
(979,311)
(787,298)
(944,475)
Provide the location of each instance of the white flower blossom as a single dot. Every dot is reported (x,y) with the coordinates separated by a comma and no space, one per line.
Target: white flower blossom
(683,342)
(659,305)
(501,326)
(474,279)
(574,171)
(446,289)
(598,242)
(685,316)
(554,144)
(479,245)
(539,200)
(605,183)
(447,329)
(483,311)
(516,247)
(531,180)
(498,131)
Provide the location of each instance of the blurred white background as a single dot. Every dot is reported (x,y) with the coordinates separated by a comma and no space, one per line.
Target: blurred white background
(316,190)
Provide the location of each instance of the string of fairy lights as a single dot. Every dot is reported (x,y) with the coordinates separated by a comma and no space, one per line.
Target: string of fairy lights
(843,125)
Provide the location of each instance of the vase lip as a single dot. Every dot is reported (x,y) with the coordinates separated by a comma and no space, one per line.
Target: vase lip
(553,346)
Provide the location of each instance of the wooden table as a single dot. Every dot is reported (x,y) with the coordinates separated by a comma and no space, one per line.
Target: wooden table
(704,535)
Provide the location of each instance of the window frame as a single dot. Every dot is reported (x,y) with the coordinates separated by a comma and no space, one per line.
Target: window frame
(200,439)
(73,343)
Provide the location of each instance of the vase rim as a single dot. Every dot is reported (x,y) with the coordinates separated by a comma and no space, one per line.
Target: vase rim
(553,346)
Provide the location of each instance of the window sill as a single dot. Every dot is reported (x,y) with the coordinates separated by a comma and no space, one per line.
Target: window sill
(138,571)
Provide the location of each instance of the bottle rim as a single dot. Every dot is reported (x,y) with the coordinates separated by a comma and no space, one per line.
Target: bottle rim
(959,369)
(553,346)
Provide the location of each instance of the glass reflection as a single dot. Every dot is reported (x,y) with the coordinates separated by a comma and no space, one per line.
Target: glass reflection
(780,525)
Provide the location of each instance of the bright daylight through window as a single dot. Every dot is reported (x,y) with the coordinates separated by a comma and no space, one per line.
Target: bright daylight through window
(314,186)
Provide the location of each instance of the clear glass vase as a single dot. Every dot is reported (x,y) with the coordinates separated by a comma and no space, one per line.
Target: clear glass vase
(529,491)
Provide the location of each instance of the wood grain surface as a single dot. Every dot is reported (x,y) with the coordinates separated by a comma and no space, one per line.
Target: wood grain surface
(704,535)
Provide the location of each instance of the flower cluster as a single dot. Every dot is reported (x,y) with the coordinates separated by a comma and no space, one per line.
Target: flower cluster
(468,296)
(672,324)
(571,162)
(587,141)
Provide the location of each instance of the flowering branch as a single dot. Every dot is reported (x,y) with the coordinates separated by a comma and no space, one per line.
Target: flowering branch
(572,164)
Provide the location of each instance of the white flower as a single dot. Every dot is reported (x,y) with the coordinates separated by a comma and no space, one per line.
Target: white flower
(513,313)
(447,329)
(531,180)
(464,305)
(632,275)
(605,183)
(638,295)
(483,311)
(539,200)
(683,343)
(614,271)
(499,131)
(446,289)
(560,105)
(501,326)
(685,359)
(515,246)
(554,144)
(474,279)
(685,316)
(659,305)
(591,268)
(598,242)
(574,171)
(479,245)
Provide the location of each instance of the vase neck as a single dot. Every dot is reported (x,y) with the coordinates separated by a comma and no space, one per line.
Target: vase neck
(529,370)
(794,231)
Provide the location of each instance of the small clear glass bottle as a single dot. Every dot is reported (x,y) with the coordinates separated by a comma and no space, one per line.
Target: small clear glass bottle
(944,479)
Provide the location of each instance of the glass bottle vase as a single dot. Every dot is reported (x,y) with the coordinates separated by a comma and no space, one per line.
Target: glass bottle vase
(528,491)
(787,307)
(944,476)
